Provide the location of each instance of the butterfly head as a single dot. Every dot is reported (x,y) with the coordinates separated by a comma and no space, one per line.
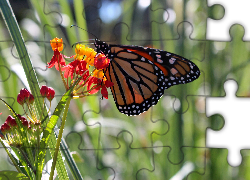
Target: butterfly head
(102,47)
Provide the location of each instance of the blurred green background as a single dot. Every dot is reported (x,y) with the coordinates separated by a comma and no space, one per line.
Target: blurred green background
(175,127)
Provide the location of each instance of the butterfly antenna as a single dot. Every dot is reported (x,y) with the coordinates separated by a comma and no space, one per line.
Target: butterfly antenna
(84,30)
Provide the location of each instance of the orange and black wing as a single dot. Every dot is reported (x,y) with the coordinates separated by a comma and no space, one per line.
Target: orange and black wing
(140,75)
(138,83)
(176,69)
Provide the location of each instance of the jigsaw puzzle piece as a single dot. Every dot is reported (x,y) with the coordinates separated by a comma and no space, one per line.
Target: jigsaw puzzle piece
(5,73)
(235,112)
(193,50)
(87,146)
(49,13)
(193,161)
(196,47)
(193,12)
(141,127)
(107,14)
(118,158)
(167,16)
(217,166)
(159,15)
(218,29)
(6,163)
(229,60)
(182,92)
(188,129)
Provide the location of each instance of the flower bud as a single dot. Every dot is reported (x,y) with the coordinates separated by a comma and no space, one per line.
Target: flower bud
(20,99)
(44,91)
(8,120)
(6,126)
(51,94)
(3,129)
(23,96)
(22,118)
(25,124)
(25,93)
(31,99)
(13,122)
(2,137)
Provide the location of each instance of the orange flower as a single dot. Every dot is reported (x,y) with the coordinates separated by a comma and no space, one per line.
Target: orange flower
(57,43)
(99,74)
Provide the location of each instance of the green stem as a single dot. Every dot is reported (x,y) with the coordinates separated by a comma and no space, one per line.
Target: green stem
(15,33)
(59,139)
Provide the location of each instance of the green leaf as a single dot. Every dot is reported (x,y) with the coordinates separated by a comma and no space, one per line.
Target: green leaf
(77,157)
(17,160)
(7,175)
(50,126)
(60,166)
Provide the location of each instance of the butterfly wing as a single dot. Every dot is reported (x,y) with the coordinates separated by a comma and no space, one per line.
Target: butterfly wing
(176,69)
(138,83)
(140,75)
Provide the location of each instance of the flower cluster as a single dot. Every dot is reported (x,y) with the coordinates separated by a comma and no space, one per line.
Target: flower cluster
(25,97)
(14,128)
(47,92)
(87,65)
(12,135)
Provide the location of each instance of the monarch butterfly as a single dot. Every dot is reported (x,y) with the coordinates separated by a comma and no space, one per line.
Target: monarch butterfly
(141,74)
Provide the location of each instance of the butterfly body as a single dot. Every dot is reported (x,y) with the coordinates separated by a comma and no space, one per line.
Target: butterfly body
(140,74)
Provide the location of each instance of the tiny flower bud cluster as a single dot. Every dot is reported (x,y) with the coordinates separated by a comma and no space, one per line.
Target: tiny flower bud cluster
(10,132)
(87,65)
(14,128)
(47,92)
(25,97)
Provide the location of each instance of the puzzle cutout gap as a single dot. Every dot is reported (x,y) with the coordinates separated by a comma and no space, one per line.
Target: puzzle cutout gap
(196,130)
(235,112)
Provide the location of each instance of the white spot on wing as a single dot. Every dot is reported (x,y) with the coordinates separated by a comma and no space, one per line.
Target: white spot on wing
(159,61)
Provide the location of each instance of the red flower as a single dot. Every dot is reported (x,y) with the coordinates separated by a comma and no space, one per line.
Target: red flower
(57,58)
(101,62)
(75,67)
(100,84)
